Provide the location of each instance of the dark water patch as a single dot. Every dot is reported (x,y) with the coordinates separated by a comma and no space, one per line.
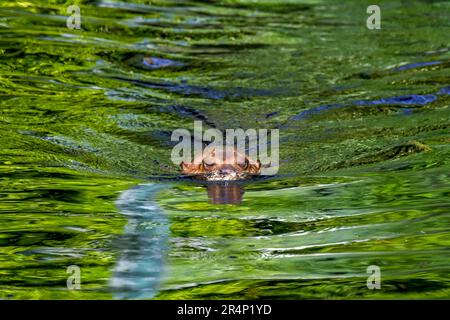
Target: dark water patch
(407,100)
(271,114)
(412,67)
(49,195)
(445,90)
(220,49)
(273,7)
(25,238)
(316,110)
(384,155)
(148,62)
(186,111)
(407,111)
(156,63)
(152,137)
(416,65)
(234,94)
(31,173)
(415,285)
(413,99)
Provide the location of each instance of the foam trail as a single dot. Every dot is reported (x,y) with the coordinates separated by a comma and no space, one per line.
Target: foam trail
(138,271)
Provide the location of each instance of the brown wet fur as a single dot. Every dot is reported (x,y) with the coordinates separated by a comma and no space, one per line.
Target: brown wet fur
(226,165)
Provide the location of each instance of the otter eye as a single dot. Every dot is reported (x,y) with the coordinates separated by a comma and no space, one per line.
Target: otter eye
(207,165)
(246,164)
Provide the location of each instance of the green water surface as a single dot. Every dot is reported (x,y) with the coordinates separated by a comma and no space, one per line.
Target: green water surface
(364,126)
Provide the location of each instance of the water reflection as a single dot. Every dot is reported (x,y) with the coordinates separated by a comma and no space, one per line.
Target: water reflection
(143,245)
(225,193)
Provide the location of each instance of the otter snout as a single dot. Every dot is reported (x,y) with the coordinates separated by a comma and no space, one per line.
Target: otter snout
(227,169)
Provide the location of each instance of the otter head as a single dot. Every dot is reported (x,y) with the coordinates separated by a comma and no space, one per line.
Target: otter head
(221,164)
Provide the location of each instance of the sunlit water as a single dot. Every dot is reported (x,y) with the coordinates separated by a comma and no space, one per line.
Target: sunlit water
(86,178)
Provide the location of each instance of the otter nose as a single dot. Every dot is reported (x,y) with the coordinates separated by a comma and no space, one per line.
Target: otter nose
(226,170)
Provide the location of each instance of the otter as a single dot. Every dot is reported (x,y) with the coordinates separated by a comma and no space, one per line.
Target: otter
(221,164)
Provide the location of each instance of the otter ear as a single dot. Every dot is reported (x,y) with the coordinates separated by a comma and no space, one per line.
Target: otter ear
(188,167)
(255,167)
(184,166)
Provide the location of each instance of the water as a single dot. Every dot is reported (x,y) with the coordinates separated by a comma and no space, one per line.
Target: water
(86,177)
